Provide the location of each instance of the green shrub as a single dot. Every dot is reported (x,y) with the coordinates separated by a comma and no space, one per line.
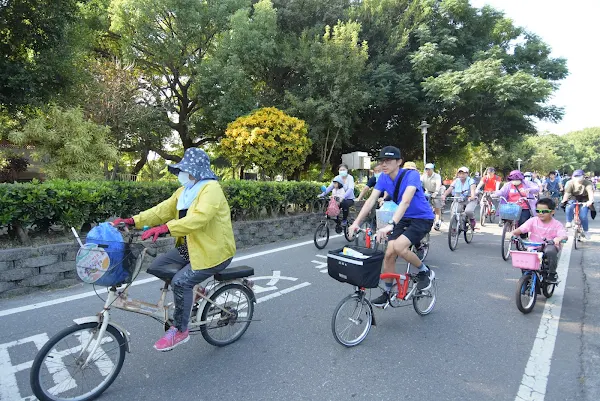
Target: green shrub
(70,203)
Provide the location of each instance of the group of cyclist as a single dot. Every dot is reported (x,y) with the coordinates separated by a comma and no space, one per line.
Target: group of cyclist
(199,216)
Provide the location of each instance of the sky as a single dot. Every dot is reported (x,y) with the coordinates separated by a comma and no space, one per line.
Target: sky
(572,30)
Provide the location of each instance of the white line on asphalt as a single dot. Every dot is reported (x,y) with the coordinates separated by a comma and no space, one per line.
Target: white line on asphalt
(280,293)
(535,379)
(57,301)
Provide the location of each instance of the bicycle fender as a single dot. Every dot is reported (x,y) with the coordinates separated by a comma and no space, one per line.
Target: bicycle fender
(94,319)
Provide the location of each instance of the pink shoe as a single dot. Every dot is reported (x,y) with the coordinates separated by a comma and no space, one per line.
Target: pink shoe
(171,339)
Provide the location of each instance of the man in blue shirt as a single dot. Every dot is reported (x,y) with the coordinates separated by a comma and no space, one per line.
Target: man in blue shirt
(411,222)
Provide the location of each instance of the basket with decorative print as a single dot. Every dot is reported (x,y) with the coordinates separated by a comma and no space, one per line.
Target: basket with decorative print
(510,211)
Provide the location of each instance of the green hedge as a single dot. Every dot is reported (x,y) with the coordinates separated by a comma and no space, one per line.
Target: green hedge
(73,203)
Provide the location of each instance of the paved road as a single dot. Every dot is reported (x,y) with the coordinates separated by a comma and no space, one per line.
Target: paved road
(476,345)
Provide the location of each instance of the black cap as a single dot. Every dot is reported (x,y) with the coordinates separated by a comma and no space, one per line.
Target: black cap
(390,152)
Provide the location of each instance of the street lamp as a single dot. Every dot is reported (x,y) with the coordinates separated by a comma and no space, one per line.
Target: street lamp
(424,127)
(519,163)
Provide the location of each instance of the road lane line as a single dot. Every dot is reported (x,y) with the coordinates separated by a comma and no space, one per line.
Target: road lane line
(57,301)
(282,292)
(535,379)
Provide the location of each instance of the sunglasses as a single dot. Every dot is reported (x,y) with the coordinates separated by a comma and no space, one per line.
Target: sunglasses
(543,211)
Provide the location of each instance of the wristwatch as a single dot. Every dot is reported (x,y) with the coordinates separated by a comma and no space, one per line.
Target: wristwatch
(392,222)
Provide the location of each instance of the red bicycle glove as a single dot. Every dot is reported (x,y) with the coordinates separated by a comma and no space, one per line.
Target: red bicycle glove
(129,221)
(155,232)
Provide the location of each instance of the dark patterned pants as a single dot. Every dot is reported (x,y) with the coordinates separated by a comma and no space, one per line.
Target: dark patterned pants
(183,284)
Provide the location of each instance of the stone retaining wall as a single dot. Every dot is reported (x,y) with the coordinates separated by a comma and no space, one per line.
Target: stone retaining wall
(25,270)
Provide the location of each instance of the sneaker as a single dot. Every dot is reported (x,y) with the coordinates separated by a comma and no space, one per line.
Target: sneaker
(501,223)
(552,278)
(436,227)
(172,339)
(586,235)
(568,225)
(424,280)
(382,300)
(344,223)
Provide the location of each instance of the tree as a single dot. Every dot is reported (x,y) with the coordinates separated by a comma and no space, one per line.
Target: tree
(69,145)
(114,98)
(269,139)
(176,45)
(39,51)
(333,91)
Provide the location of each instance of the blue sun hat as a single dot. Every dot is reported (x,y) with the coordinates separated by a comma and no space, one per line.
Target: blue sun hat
(195,162)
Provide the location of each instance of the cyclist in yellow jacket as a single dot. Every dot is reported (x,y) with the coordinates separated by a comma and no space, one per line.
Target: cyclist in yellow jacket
(198,216)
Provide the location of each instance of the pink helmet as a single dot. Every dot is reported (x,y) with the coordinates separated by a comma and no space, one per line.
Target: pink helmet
(516,175)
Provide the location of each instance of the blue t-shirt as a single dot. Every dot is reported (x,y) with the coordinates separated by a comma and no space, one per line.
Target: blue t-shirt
(419,206)
(461,188)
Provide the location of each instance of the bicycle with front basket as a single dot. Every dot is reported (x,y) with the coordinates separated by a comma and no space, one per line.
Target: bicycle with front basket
(510,213)
(353,317)
(534,279)
(82,361)
(321,236)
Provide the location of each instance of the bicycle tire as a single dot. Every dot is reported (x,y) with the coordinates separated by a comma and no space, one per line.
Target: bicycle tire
(322,232)
(576,239)
(548,289)
(524,286)
(483,214)
(363,305)
(207,332)
(40,359)
(492,217)
(423,250)
(506,229)
(453,234)
(430,293)
(469,233)
(347,235)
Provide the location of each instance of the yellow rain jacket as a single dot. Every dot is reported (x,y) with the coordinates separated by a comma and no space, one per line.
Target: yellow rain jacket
(207,225)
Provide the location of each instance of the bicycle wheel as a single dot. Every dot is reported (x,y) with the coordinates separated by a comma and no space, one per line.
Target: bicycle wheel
(453,233)
(349,237)
(58,371)
(423,248)
(229,317)
(483,212)
(424,301)
(576,239)
(548,289)
(506,239)
(469,232)
(525,294)
(492,217)
(352,320)
(321,237)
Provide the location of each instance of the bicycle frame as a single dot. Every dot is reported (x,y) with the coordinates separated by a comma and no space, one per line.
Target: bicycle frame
(160,310)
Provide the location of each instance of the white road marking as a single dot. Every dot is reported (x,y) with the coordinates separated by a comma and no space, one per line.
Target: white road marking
(57,301)
(9,388)
(535,379)
(322,266)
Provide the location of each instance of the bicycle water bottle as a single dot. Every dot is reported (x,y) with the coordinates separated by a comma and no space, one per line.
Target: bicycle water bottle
(368,238)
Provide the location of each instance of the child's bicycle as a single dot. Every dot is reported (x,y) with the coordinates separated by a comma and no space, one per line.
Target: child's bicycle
(82,361)
(321,236)
(534,279)
(353,317)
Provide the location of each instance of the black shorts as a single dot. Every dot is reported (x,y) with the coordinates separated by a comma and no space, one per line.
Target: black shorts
(413,229)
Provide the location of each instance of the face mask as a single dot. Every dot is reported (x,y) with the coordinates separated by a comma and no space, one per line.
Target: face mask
(516,182)
(527,178)
(184,179)
(377,175)
(343,173)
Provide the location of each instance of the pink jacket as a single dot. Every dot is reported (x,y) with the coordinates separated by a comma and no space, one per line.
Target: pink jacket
(533,189)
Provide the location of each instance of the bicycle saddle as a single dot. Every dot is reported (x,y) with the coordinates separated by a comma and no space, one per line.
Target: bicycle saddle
(165,272)
(234,272)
